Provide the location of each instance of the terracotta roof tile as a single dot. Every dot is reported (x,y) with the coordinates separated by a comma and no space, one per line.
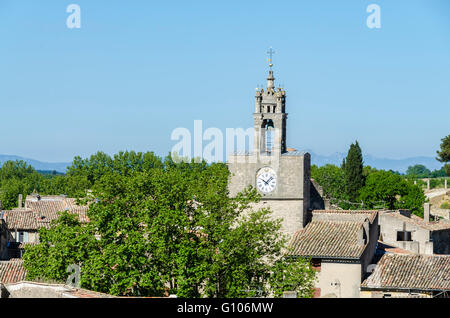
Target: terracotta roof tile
(334,239)
(21,219)
(12,271)
(422,272)
(40,213)
(357,214)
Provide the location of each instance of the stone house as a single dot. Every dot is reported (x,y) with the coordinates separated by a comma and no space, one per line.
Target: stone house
(409,276)
(341,245)
(412,233)
(23,223)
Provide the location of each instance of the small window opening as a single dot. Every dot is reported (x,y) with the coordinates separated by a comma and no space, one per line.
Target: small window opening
(404,236)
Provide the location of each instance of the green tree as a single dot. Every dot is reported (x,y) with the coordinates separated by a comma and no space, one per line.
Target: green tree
(418,171)
(444,154)
(332,180)
(353,172)
(161,227)
(391,191)
(17,177)
(294,274)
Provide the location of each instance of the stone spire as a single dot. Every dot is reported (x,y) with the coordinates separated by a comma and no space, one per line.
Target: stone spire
(270,79)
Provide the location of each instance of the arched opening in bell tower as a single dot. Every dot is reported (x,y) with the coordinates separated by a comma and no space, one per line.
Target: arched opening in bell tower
(268,135)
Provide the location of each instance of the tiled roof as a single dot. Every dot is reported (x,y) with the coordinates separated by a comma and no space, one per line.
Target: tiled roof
(54,290)
(389,248)
(39,213)
(355,214)
(333,239)
(420,272)
(12,271)
(21,219)
(48,209)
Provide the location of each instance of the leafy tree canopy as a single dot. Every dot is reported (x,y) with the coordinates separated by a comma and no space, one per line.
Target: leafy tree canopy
(444,154)
(353,171)
(391,191)
(159,227)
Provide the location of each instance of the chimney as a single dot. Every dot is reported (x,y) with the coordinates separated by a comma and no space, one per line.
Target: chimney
(426,212)
(327,204)
(363,235)
(19,201)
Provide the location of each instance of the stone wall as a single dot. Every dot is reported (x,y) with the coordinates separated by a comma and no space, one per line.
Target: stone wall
(341,279)
(390,224)
(291,198)
(288,210)
(316,195)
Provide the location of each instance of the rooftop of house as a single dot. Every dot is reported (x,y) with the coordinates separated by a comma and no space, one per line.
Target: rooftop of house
(333,234)
(46,290)
(412,219)
(384,247)
(348,215)
(12,271)
(328,239)
(410,272)
(40,211)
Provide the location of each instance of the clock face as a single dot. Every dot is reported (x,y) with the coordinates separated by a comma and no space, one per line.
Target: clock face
(266,180)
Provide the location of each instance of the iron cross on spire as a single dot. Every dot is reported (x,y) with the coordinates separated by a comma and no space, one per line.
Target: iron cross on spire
(271,52)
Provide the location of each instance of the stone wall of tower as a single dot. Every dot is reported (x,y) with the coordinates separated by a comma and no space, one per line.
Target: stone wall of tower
(290,200)
(289,211)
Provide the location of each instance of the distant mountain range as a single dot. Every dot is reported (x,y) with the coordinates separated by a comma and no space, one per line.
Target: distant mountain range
(400,165)
(38,165)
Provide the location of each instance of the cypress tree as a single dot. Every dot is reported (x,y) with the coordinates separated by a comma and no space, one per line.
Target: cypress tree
(353,170)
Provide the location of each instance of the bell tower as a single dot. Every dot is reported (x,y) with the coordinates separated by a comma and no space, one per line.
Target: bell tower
(282,177)
(270,118)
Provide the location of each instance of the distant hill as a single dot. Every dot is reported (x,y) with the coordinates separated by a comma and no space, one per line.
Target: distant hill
(400,165)
(38,165)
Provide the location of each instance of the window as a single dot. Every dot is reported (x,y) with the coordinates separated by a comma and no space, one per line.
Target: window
(316,264)
(404,236)
(23,237)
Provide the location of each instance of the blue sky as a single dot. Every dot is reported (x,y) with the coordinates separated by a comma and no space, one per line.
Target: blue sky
(136,70)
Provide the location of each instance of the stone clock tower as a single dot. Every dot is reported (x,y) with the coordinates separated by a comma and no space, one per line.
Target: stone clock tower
(281,176)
